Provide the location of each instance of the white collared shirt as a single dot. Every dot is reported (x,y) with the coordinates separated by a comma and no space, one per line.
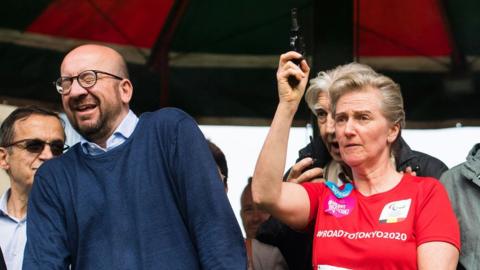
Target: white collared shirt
(119,136)
(13,235)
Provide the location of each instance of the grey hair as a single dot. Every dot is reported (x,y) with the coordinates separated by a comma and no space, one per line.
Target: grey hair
(324,80)
(392,100)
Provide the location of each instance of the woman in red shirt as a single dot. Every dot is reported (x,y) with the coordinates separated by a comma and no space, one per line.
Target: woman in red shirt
(384,219)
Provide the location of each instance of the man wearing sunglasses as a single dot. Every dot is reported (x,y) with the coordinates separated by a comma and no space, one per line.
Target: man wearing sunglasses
(135,193)
(29,137)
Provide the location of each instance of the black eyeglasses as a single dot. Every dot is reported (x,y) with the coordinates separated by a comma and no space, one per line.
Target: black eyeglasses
(36,146)
(86,79)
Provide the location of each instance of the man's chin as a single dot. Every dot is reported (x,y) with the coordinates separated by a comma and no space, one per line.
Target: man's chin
(86,128)
(337,159)
(335,155)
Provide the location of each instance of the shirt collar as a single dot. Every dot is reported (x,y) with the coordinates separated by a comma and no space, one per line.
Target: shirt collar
(3,202)
(119,136)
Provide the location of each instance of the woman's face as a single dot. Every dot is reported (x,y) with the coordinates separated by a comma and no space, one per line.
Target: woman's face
(363,133)
(325,124)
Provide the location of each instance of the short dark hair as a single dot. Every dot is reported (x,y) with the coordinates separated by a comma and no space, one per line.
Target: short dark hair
(220,160)
(247,188)
(7,131)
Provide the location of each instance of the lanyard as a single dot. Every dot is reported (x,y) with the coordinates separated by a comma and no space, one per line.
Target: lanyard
(340,194)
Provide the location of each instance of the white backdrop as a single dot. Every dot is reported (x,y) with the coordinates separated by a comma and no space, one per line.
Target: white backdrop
(242,145)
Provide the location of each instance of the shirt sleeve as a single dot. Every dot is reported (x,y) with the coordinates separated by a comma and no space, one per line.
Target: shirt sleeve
(202,199)
(46,246)
(436,220)
(314,191)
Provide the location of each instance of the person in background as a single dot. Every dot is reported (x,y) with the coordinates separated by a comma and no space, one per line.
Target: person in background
(2,261)
(381,207)
(135,193)
(324,149)
(260,255)
(463,186)
(29,137)
(221,162)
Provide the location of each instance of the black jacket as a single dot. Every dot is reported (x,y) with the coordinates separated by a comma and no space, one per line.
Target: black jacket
(421,163)
(296,247)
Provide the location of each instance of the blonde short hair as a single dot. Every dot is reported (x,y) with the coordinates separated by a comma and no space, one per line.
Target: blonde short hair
(392,100)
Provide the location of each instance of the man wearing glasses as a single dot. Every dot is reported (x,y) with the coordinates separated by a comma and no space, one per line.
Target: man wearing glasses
(135,193)
(29,137)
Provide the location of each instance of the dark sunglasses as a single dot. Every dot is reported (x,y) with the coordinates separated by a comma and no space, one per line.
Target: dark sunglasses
(36,146)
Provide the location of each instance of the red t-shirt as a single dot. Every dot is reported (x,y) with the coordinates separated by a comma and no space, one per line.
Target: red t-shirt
(381,231)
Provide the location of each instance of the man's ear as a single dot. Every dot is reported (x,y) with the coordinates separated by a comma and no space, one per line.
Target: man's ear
(126,90)
(393,133)
(4,158)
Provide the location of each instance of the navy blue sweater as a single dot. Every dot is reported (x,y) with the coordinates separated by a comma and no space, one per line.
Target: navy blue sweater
(154,202)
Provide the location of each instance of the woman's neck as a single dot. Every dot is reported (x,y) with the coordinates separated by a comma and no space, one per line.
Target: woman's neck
(377,179)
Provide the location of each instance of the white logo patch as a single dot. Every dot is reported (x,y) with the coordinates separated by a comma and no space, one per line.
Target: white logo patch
(395,211)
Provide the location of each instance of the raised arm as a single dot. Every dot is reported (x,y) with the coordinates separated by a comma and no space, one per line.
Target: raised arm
(286,201)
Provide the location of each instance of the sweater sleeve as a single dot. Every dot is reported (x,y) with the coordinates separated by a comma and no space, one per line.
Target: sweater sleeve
(203,201)
(46,246)
(314,191)
(435,219)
